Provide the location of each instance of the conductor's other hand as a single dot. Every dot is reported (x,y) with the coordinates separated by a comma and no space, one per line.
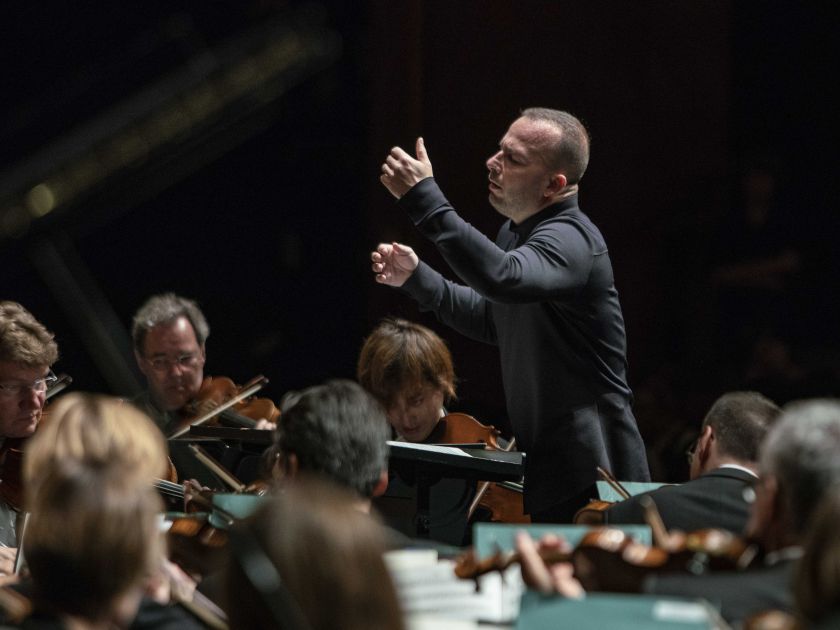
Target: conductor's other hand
(401,172)
(393,264)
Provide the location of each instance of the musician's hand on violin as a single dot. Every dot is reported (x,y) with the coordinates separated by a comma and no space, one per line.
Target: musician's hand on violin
(555,578)
(265,425)
(675,541)
(194,491)
(170,584)
(181,586)
(393,263)
(7,560)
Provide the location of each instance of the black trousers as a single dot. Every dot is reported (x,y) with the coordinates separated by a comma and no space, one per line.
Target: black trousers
(565,512)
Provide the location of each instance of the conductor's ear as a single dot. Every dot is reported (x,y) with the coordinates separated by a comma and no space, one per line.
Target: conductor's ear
(556,183)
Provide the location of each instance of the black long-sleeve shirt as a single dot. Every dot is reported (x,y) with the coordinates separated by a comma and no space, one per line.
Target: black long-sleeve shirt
(544,294)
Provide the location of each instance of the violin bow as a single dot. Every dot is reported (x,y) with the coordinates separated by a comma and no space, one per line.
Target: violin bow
(249,389)
(217,469)
(205,609)
(176,491)
(614,483)
(661,538)
(482,488)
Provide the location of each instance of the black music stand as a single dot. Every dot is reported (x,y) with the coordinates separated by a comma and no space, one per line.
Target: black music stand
(432,486)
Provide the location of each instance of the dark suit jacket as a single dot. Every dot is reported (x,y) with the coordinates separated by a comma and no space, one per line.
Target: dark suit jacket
(738,594)
(714,500)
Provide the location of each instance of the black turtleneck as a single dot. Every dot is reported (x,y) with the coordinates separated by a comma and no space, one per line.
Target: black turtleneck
(544,294)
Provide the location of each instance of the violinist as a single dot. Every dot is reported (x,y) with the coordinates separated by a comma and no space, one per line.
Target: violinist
(169,334)
(81,580)
(309,559)
(408,368)
(335,431)
(722,466)
(93,537)
(798,469)
(27,350)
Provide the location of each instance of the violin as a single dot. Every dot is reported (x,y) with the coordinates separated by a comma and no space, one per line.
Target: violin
(11,454)
(220,399)
(605,559)
(202,498)
(502,500)
(608,559)
(195,543)
(593,512)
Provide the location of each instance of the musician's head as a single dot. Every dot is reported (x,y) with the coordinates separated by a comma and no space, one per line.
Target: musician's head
(337,431)
(816,584)
(91,540)
(95,430)
(732,431)
(27,350)
(169,334)
(317,545)
(798,466)
(409,369)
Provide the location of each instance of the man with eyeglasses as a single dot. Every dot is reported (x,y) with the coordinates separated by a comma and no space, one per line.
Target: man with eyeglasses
(722,468)
(169,334)
(27,350)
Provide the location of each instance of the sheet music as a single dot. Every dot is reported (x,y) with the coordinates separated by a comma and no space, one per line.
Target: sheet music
(431,448)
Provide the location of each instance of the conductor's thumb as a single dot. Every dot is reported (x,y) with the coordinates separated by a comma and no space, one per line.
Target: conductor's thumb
(420,150)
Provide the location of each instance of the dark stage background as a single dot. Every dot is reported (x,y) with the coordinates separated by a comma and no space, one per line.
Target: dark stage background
(230,151)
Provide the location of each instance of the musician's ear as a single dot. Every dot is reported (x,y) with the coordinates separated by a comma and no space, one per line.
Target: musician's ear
(140,363)
(704,444)
(381,485)
(286,466)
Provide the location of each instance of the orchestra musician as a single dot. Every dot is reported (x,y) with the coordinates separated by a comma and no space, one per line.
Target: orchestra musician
(335,431)
(27,350)
(93,542)
(308,558)
(798,469)
(722,466)
(409,370)
(169,333)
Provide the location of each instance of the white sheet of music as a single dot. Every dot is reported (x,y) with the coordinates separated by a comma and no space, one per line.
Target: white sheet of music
(432,448)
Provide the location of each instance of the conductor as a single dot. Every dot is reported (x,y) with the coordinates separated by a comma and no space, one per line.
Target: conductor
(543,292)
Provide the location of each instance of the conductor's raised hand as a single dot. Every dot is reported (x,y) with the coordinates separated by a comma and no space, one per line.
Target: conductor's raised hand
(401,172)
(393,263)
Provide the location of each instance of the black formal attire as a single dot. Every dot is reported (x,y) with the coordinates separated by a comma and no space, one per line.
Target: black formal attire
(182,457)
(719,499)
(150,614)
(738,594)
(544,294)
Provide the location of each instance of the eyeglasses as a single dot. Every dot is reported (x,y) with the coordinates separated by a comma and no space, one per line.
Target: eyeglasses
(39,385)
(689,454)
(161,364)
